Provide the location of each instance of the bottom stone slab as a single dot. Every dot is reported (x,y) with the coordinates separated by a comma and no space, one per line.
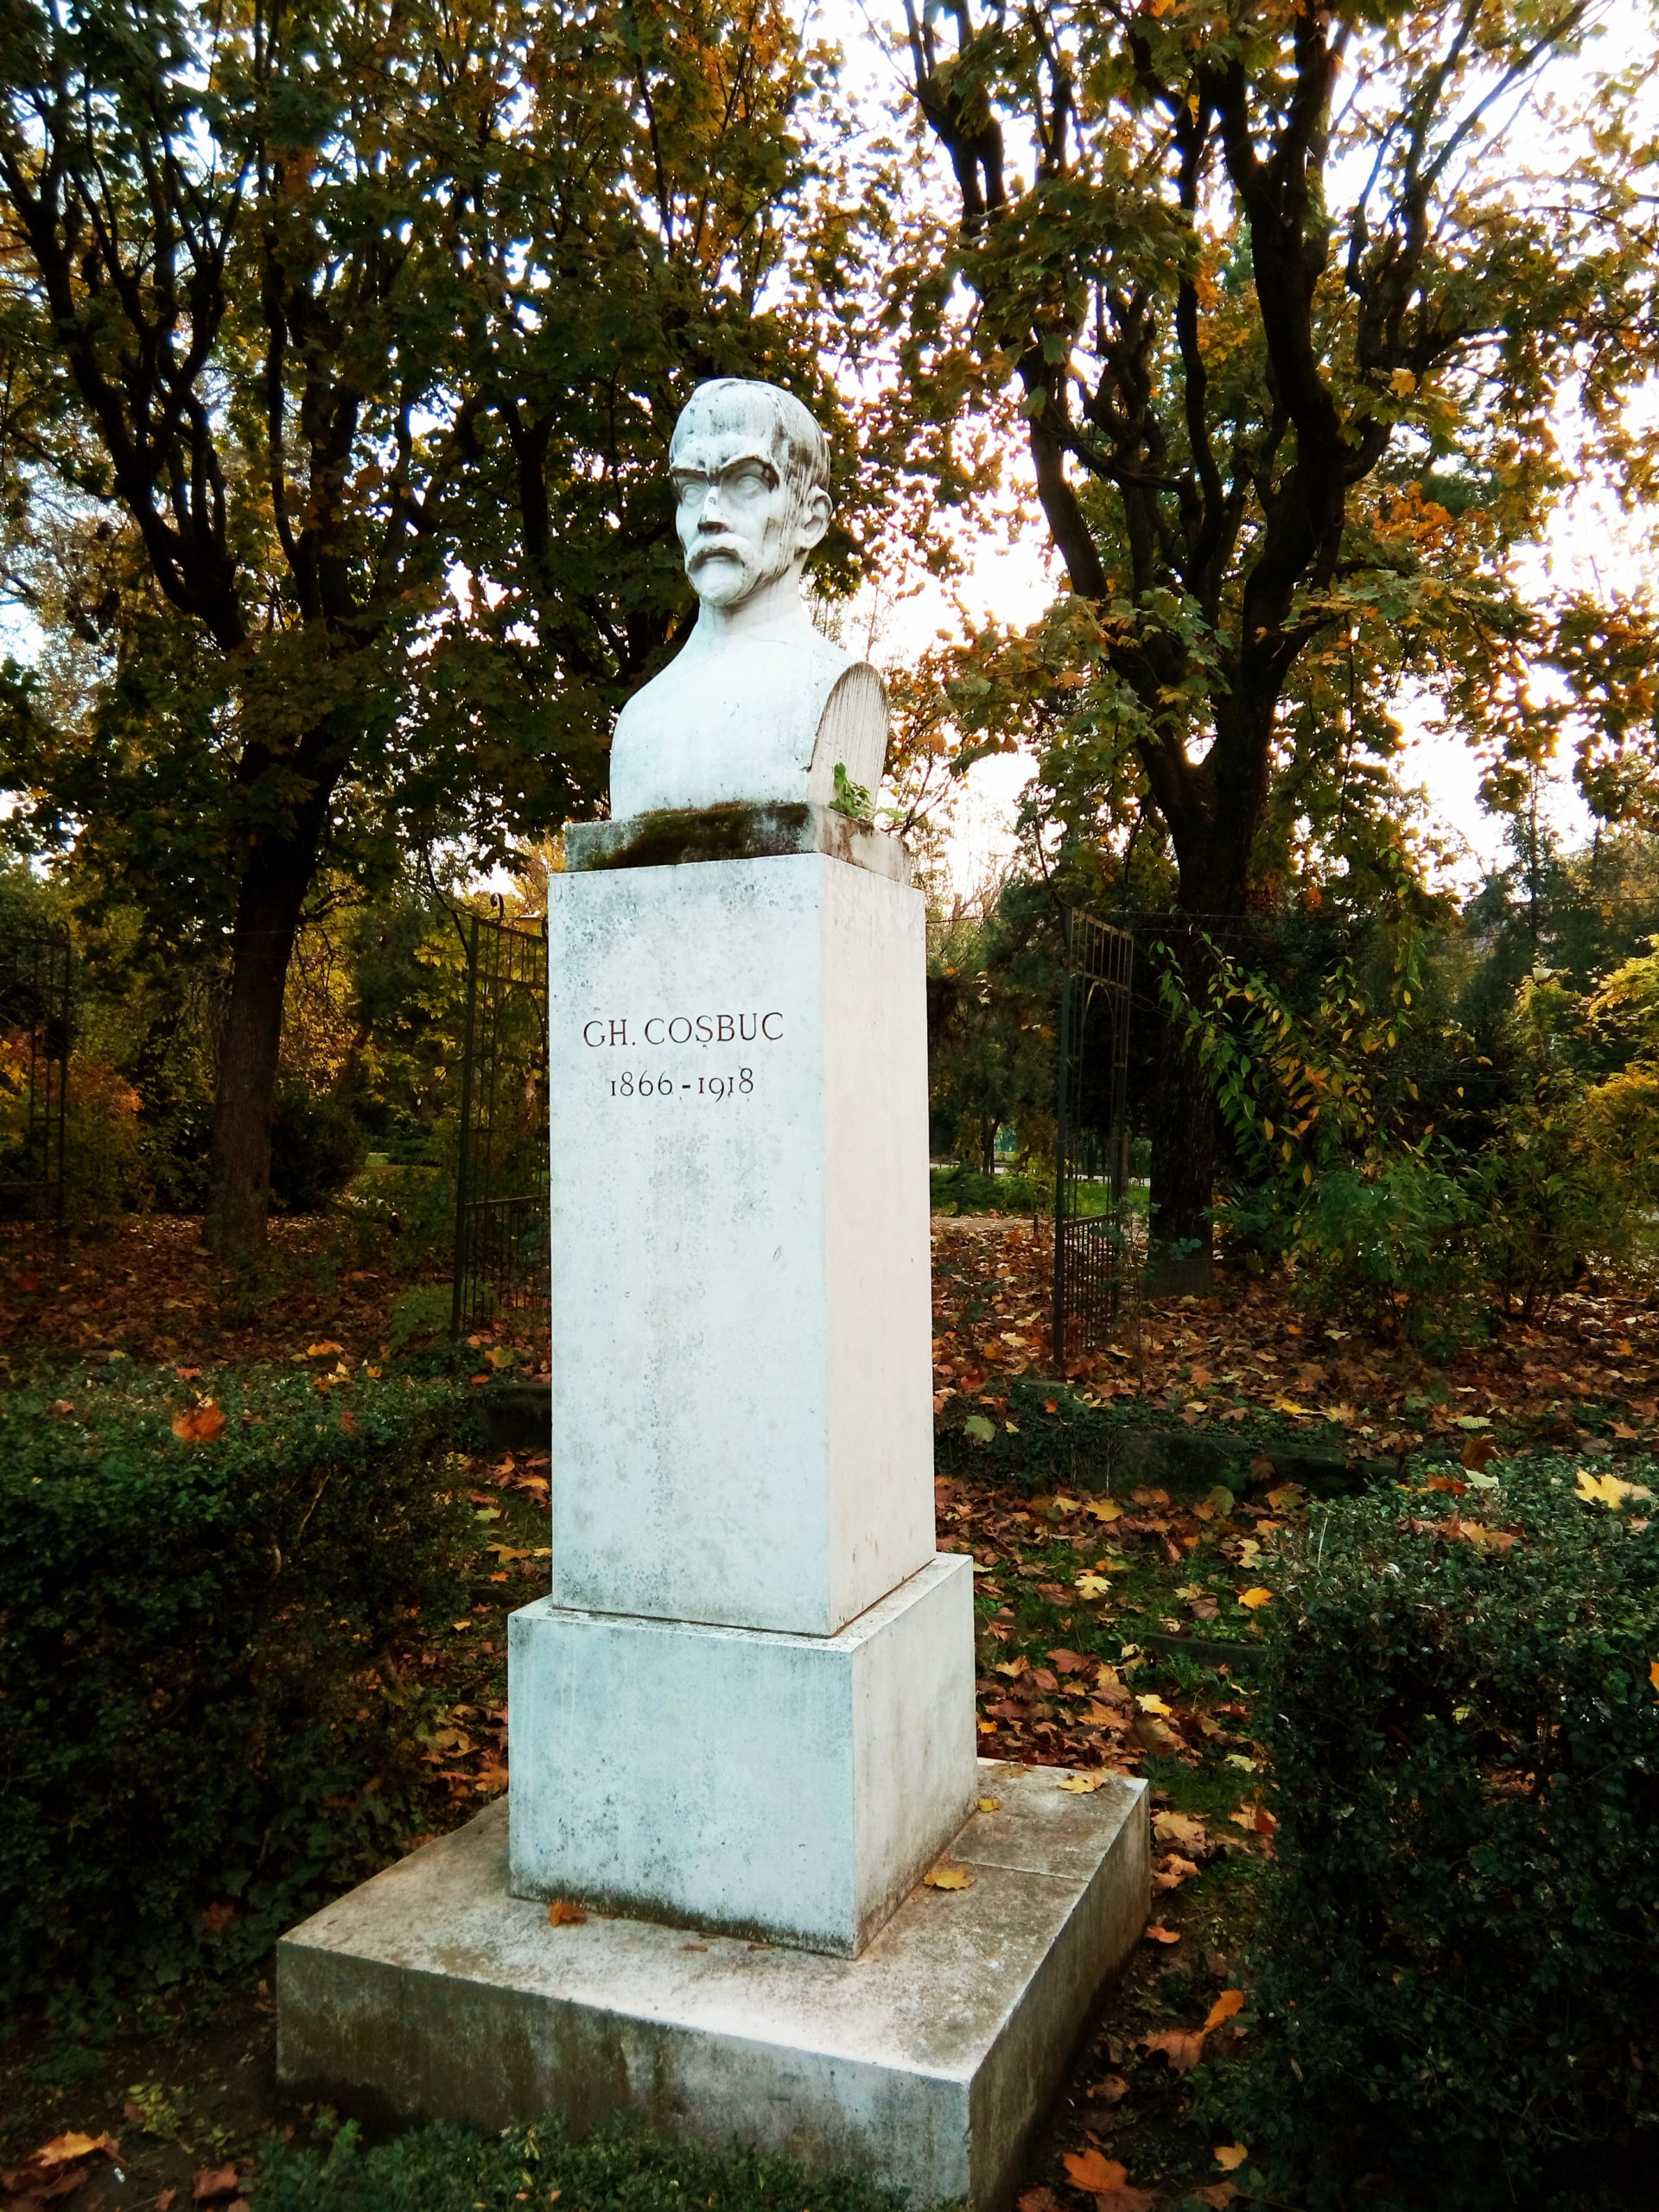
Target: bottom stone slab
(431,1992)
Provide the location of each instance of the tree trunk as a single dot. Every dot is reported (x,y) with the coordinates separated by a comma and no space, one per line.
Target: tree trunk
(1185,1147)
(268,908)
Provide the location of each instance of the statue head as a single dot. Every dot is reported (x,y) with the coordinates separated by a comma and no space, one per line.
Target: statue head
(751,472)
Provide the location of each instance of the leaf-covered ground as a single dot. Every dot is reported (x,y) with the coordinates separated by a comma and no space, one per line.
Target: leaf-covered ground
(1585,1376)
(1113,1634)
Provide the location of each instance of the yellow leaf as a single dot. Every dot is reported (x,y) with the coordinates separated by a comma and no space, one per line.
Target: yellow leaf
(948,1878)
(1653,1676)
(990,1804)
(1106,1508)
(1404,383)
(1082,1783)
(1231,2156)
(1092,1586)
(1256,1599)
(1603,1490)
(1149,1703)
(1229,2002)
(323,1350)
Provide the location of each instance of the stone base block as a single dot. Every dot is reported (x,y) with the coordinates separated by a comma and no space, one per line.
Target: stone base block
(432,1993)
(791,1788)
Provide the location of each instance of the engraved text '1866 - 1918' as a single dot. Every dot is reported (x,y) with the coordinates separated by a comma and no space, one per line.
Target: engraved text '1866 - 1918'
(700,1029)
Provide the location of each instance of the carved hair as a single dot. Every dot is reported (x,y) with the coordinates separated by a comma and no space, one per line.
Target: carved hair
(800,447)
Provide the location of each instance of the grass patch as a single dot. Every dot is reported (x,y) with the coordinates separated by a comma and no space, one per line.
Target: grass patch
(441,2168)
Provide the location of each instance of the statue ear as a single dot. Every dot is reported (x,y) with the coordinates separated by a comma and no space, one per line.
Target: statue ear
(814,513)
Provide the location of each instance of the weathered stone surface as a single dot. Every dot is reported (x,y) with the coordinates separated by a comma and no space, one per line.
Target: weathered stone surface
(676,836)
(788,1786)
(929,2061)
(743,1416)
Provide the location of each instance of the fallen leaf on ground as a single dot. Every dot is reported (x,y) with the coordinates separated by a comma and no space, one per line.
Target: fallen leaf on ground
(1160,1934)
(1040,2200)
(200,1425)
(62,2148)
(990,1804)
(1256,1599)
(1182,1828)
(1093,2171)
(1229,2002)
(1081,1783)
(1182,2047)
(1218,2193)
(1607,1490)
(1171,1871)
(1110,2089)
(215,2184)
(1230,2157)
(948,1878)
(562,1913)
(1149,1701)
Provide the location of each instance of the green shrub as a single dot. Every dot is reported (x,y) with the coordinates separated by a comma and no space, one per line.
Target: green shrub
(1456,1975)
(1391,1248)
(203,1716)
(316,1148)
(441,2168)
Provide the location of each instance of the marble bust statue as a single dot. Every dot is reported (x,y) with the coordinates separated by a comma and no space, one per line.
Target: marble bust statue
(758,706)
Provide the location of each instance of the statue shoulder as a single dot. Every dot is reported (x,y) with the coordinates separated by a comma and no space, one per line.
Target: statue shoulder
(755,719)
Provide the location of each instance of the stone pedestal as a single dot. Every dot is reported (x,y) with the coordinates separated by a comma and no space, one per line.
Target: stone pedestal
(929,2060)
(743,1717)
(742,1418)
(788,1786)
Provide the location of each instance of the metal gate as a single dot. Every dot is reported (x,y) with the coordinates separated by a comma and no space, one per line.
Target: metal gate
(1092,1133)
(35,967)
(501,1213)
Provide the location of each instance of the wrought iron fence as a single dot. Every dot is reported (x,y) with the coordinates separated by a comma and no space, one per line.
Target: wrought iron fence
(35,1033)
(501,1209)
(1091,1254)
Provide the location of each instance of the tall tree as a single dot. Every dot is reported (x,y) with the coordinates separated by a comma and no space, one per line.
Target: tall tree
(340,339)
(1289,314)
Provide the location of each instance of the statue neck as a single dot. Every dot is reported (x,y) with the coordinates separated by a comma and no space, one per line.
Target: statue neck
(774,609)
